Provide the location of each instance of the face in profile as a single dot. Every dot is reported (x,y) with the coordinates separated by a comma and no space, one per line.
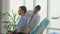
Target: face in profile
(20,11)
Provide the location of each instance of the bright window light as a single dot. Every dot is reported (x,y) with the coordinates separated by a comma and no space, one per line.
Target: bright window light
(29,4)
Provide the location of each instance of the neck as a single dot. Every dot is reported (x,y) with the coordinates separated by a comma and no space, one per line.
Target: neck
(34,13)
(22,14)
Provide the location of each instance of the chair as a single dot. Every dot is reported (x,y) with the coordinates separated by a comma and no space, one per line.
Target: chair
(43,24)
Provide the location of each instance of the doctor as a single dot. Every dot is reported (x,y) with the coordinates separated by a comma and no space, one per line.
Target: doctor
(33,20)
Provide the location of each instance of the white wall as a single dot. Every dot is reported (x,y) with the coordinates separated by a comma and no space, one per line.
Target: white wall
(0,9)
(55,12)
(5,8)
(0,4)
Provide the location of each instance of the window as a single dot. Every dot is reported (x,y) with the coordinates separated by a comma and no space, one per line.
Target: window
(14,4)
(29,4)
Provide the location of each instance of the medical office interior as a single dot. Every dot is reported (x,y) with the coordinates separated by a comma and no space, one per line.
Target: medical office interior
(49,9)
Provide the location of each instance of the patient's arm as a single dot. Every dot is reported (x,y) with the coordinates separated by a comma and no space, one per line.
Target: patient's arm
(41,31)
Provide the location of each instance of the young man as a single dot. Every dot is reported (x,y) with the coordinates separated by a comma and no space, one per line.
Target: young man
(22,22)
(34,19)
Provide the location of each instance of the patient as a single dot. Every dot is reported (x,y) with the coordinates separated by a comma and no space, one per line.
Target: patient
(22,22)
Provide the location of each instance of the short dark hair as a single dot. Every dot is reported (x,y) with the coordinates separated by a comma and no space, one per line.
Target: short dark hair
(23,8)
(38,7)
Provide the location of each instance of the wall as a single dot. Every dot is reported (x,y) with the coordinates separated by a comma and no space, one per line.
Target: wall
(0,4)
(5,8)
(55,12)
(0,9)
